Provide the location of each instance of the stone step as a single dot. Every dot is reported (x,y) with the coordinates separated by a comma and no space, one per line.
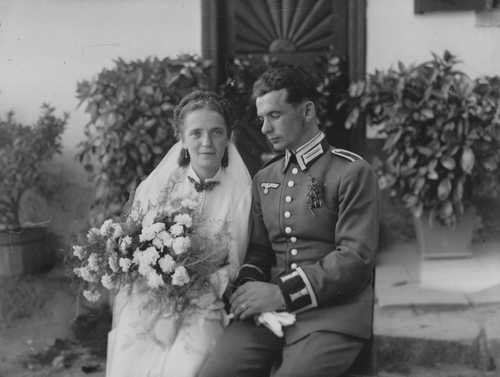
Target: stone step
(427,337)
(395,353)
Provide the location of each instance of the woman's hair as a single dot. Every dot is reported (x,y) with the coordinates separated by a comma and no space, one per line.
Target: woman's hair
(298,83)
(196,100)
(200,99)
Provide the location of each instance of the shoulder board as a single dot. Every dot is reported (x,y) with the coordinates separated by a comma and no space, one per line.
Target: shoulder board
(274,158)
(348,155)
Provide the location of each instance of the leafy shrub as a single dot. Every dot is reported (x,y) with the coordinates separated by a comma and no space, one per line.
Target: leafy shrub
(23,151)
(131,123)
(443,134)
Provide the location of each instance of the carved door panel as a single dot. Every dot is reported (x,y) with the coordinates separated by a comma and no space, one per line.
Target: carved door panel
(296,31)
(293,31)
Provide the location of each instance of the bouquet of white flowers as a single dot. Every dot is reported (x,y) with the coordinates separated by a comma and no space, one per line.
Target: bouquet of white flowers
(162,250)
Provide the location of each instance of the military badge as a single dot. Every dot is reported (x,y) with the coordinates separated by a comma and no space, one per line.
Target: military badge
(315,194)
(269,185)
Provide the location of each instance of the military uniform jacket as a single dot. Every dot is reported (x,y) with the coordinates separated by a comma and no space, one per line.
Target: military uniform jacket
(315,225)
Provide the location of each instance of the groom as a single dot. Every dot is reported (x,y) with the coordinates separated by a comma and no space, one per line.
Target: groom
(315,231)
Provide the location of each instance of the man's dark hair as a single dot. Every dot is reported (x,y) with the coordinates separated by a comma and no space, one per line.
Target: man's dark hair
(298,83)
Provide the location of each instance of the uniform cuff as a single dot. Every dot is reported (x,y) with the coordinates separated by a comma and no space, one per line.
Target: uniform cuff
(297,291)
(249,272)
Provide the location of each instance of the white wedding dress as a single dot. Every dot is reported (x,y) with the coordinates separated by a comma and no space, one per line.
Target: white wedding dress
(145,343)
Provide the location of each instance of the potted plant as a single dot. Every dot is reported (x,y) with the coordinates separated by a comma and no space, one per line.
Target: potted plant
(23,151)
(442,146)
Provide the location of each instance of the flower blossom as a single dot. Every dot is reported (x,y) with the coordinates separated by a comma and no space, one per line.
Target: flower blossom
(162,239)
(155,280)
(145,269)
(181,244)
(184,219)
(107,282)
(93,235)
(125,264)
(166,238)
(150,255)
(85,274)
(117,231)
(106,227)
(78,252)
(180,276)
(167,264)
(150,232)
(145,259)
(176,230)
(91,296)
(78,271)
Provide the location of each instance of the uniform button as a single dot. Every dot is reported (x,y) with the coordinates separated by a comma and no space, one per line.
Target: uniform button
(288,198)
(288,230)
(293,239)
(293,266)
(287,214)
(291,183)
(295,171)
(294,252)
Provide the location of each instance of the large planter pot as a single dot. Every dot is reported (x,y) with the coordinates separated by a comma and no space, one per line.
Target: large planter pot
(438,241)
(24,251)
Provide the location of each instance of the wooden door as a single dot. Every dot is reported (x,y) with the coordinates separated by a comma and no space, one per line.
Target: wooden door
(293,31)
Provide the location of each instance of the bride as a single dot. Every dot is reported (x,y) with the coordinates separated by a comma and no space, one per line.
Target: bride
(206,166)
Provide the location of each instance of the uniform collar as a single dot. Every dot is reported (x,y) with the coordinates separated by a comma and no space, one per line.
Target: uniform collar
(307,153)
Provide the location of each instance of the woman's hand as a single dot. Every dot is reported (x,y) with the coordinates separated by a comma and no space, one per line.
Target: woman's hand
(256,297)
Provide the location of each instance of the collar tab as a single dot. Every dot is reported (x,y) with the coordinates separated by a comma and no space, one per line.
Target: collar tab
(307,153)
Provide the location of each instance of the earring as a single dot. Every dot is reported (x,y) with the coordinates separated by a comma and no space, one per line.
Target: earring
(184,158)
(225,159)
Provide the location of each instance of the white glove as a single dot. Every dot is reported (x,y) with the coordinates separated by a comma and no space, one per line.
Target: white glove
(275,321)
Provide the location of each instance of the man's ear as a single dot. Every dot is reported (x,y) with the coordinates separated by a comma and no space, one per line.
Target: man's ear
(309,110)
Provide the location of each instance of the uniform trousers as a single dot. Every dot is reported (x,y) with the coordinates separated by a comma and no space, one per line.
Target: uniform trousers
(248,350)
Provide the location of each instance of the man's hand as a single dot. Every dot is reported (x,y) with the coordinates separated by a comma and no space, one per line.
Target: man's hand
(256,297)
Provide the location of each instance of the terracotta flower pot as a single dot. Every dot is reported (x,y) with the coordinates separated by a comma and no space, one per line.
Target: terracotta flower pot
(24,251)
(439,241)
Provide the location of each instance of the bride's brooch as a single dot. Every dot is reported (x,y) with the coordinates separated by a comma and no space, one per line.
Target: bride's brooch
(315,194)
